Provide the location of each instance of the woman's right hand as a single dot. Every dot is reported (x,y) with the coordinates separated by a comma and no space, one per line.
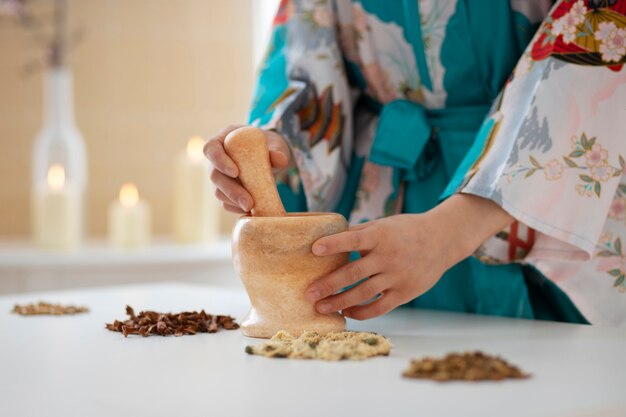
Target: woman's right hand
(224,171)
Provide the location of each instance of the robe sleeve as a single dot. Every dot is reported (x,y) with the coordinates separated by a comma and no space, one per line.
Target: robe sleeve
(303,93)
(551,152)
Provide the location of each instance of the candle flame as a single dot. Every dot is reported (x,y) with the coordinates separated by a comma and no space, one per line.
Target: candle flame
(129,196)
(56,177)
(195,148)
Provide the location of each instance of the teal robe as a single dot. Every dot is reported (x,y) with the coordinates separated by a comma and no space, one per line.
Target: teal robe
(381,102)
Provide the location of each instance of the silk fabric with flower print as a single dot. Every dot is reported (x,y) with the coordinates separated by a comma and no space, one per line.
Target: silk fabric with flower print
(595,170)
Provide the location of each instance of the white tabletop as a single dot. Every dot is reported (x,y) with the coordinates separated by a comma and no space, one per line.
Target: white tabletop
(72,366)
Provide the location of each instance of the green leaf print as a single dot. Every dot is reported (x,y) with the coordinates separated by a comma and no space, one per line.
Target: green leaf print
(534,162)
(530,172)
(618,246)
(569,162)
(584,142)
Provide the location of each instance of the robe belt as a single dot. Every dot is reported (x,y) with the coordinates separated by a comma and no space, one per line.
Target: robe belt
(408,135)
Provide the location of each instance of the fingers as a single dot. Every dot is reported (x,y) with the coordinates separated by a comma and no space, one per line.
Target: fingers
(365,291)
(232,191)
(278,159)
(383,305)
(233,209)
(346,275)
(279,149)
(227,203)
(362,226)
(214,151)
(352,240)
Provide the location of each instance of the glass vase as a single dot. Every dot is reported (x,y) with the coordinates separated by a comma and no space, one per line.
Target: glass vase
(59,173)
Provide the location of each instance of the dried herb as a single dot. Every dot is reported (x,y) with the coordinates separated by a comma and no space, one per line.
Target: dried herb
(469,366)
(330,347)
(43,308)
(148,323)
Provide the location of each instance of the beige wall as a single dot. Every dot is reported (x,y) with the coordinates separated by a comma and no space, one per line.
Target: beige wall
(148,75)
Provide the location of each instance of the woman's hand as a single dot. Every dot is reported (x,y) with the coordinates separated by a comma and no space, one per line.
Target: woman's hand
(224,171)
(403,255)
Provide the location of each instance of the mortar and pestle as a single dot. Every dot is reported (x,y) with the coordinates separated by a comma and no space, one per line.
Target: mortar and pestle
(272,249)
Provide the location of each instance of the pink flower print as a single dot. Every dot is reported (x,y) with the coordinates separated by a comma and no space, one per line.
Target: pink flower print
(558,27)
(618,40)
(569,36)
(602,173)
(360,19)
(583,190)
(596,156)
(379,82)
(553,170)
(617,210)
(606,238)
(614,46)
(570,21)
(370,177)
(579,10)
(612,41)
(606,263)
(604,30)
(323,17)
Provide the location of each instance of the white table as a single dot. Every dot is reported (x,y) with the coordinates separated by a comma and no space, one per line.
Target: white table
(72,366)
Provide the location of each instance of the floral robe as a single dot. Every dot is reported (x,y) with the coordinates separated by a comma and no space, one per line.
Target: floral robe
(390,106)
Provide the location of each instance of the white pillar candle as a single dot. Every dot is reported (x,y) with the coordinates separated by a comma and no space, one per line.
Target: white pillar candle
(196,212)
(57,212)
(129,220)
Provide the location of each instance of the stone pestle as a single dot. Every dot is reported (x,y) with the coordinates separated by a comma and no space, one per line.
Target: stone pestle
(247,146)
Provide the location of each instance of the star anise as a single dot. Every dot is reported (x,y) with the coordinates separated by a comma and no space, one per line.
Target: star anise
(148,323)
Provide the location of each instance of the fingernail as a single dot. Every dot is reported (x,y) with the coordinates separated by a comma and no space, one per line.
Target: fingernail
(319,249)
(231,172)
(312,295)
(243,203)
(324,308)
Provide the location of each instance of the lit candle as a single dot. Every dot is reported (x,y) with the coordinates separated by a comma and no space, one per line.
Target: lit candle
(129,219)
(196,212)
(57,212)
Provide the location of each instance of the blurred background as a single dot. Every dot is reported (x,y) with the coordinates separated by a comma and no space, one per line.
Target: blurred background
(148,75)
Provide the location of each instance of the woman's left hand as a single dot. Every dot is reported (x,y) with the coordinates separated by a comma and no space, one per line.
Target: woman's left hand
(403,256)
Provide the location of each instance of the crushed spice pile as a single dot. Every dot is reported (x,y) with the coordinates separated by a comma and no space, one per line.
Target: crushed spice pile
(148,323)
(331,347)
(469,366)
(43,308)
